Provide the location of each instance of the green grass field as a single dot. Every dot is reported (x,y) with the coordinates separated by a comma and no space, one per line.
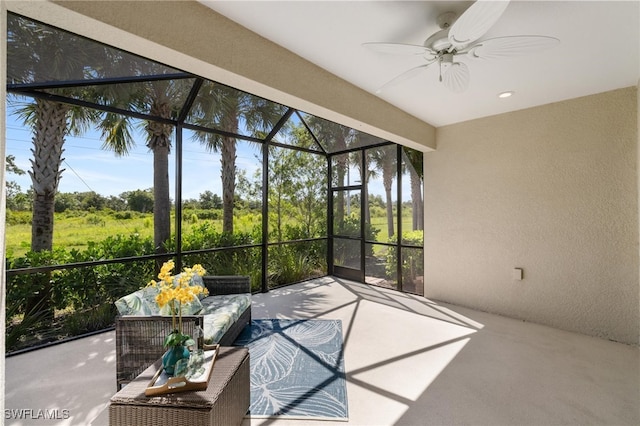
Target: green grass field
(75,231)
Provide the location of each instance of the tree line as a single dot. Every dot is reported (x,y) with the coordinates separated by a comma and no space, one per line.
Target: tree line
(139,200)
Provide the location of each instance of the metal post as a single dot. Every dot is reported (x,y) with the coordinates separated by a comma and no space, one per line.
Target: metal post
(329,216)
(178,202)
(399,202)
(265,217)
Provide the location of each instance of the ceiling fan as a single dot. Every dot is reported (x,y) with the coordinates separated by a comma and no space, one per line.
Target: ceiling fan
(459,38)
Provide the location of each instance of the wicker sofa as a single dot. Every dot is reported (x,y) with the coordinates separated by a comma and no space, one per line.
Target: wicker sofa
(140,338)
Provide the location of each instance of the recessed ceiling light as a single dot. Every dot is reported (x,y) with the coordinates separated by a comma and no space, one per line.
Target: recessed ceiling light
(506,94)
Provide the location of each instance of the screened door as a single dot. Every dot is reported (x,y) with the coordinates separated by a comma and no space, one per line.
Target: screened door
(346,214)
(376,197)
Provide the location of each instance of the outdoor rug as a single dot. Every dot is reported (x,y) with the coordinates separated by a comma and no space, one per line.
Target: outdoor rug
(297,369)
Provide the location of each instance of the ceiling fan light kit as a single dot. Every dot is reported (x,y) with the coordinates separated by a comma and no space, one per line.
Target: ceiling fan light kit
(459,38)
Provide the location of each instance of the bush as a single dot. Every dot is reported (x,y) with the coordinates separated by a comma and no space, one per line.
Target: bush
(87,293)
(82,287)
(18,218)
(126,215)
(221,262)
(412,265)
(95,220)
(295,262)
(351,227)
(213,214)
(74,213)
(88,320)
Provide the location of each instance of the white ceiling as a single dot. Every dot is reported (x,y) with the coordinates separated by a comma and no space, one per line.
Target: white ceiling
(599,49)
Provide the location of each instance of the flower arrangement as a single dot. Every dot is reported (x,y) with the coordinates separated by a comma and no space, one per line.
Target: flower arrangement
(175,291)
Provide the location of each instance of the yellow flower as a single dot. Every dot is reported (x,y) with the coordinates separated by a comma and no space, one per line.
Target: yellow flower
(184,280)
(177,290)
(165,271)
(165,296)
(198,269)
(161,300)
(179,296)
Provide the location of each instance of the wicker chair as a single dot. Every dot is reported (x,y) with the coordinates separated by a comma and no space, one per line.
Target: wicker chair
(140,339)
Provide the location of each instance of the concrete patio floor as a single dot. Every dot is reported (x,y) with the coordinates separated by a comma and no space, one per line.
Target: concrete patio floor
(409,361)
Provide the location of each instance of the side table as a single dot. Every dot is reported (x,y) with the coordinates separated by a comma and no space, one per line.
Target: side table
(224,402)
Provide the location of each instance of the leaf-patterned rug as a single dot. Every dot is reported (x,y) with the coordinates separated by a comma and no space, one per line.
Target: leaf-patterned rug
(297,369)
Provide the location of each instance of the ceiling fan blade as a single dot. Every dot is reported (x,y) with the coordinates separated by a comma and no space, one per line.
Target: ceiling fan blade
(456,78)
(403,77)
(507,47)
(397,48)
(476,21)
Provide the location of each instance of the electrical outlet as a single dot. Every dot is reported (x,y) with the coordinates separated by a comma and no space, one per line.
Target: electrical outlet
(518,274)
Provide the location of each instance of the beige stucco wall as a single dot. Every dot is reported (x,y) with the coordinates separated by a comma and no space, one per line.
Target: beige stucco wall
(552,190)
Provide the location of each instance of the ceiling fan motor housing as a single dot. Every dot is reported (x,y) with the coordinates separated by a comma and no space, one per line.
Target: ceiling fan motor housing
(438,41)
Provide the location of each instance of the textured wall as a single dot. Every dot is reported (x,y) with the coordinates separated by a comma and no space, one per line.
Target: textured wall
(552,190)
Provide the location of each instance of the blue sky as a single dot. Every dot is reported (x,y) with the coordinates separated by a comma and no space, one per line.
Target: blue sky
(88,167)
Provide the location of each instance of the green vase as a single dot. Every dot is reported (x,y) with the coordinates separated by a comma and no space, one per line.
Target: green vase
(172,356)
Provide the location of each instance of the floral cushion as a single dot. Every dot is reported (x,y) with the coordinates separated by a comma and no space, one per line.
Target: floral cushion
(239,301)
(141,302)
(197,280)
(220,312)
(192,308)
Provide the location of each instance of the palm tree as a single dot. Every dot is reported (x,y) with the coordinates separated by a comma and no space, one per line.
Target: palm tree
(413,160)
(224,108)
(162,97)
(385,160)
(335,138)
(388,167)
(116,134)
(45,59)
(366,173)
(38,53)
